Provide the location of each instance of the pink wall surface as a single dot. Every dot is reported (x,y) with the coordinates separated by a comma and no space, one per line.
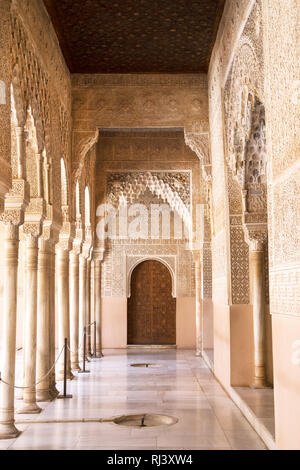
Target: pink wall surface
(114,322)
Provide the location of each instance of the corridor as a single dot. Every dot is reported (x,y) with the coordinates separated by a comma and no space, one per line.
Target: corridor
(182,387)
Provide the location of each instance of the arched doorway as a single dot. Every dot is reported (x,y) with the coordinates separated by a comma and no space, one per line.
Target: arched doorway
(151,312)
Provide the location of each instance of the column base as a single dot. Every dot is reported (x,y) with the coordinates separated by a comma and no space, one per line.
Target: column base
(29,408)
(198,354)
(43,395)
(54,392)
(60,376)
(260,383)
(75,367)
(99,354)
(8,431)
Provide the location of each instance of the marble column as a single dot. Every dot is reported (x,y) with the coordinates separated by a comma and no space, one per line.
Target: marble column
(82,298)
(29,394)
(256,258)
(62,280)
(198,287)
(9,325)
(74,310)
(97,301)
(88,306)
(52,329)
(43,323)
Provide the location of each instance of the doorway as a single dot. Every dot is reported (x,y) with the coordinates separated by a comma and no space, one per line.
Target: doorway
(151,309)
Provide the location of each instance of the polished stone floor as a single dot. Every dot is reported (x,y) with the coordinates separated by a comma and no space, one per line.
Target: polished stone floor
(261,403)
(183,388)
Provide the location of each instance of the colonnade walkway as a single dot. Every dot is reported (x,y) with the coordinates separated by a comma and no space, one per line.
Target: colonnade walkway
(181,387)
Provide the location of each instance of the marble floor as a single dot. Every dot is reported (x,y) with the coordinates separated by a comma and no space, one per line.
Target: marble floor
(261,403)
(183,388)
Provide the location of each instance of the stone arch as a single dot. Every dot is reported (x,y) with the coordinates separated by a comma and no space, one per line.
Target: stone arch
(64,183)
(77,200)
(32,165)
(140,260)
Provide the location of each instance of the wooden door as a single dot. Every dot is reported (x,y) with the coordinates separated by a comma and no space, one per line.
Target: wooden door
(151,307)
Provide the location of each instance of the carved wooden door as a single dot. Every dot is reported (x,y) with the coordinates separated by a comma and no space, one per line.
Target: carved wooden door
(151,307)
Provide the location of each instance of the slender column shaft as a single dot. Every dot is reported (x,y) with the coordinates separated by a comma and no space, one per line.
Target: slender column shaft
(10,282)
(29,394)
(82,296)
(22,261)
(43,323)
(62,273)
(97,288)
(52,336)
(74,310)
(198,307)
(258,302)
(88,304)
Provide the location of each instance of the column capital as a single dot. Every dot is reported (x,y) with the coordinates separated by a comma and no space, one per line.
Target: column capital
(12,217)
(196,256)
(98,254)
(78,239)
(15,202)
(50,231)
(65,241)
(74,257)
(32,233)
(256,235)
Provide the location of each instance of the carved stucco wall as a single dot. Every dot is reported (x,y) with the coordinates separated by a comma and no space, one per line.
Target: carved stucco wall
(138,156)
(30,59)
(245,153)
(282,99)
(254,24)
(42,82)
(230,280)
(134,101)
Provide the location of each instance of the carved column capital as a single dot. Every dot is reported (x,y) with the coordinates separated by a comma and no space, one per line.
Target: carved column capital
(256,236)
(13,217)
(196,256)
(66,237)
(98,255)
(197,138)
(32,231)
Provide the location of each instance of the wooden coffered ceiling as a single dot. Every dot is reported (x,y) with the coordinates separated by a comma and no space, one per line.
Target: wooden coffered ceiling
(136,36)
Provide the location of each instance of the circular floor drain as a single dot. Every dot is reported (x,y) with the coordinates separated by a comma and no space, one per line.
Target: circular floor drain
(146,365)
(145,420)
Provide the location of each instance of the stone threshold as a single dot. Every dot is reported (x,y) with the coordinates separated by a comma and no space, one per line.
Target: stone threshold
(266,436)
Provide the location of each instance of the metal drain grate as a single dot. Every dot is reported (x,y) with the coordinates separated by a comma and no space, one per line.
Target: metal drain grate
(145,420)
